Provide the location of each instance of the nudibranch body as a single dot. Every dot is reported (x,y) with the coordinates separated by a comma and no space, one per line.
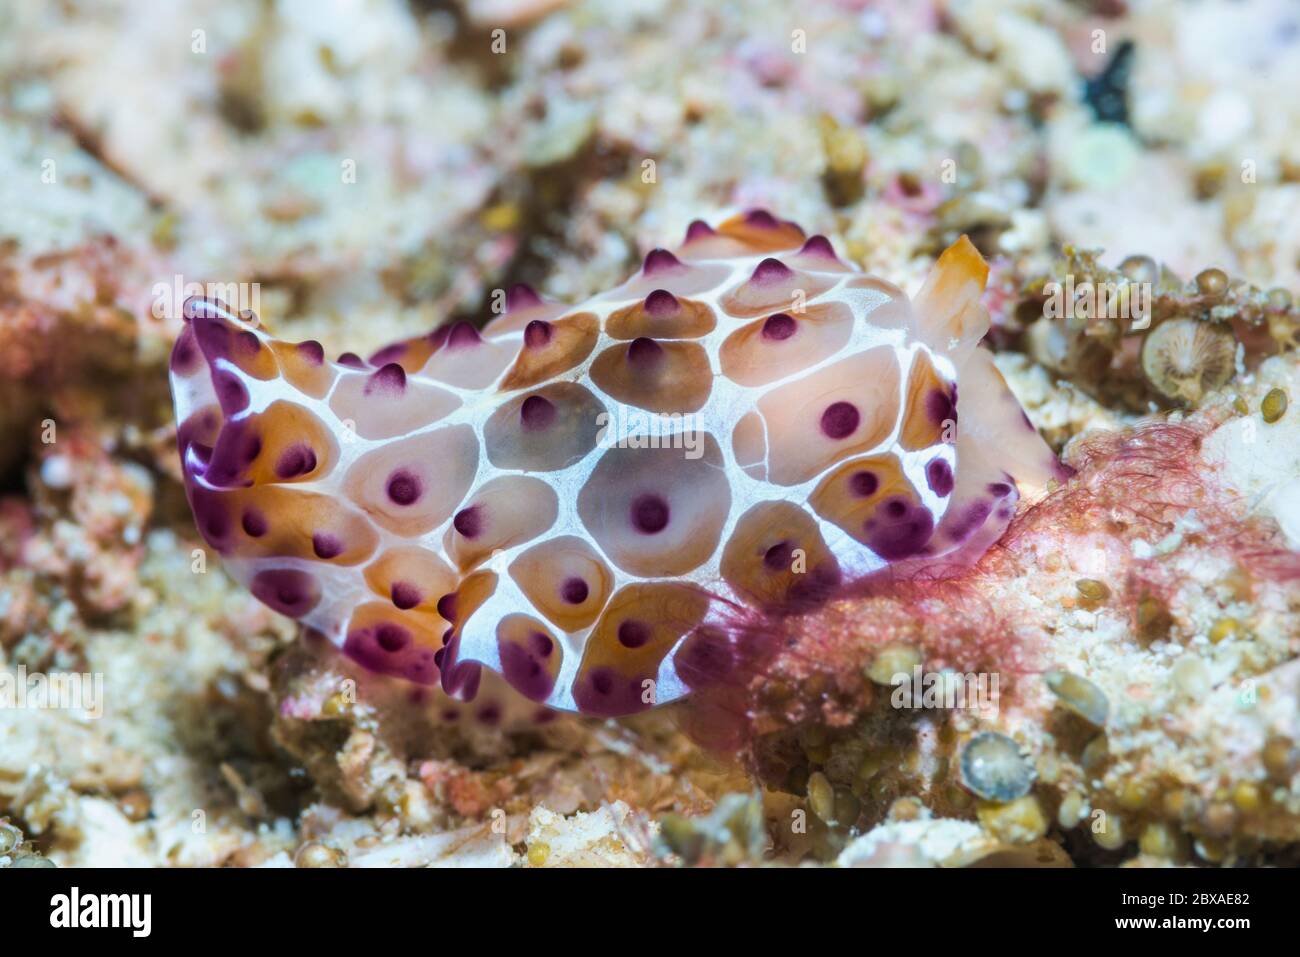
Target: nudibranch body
(573,494)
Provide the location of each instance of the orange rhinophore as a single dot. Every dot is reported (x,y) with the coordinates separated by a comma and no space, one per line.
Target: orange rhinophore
(572,496)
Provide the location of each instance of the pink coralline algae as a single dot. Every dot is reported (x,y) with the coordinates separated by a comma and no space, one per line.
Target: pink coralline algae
(582,498)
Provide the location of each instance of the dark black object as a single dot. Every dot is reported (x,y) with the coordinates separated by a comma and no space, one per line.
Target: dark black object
(1107,92)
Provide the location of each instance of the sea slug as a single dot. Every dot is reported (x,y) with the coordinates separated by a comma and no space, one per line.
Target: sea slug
(571,494)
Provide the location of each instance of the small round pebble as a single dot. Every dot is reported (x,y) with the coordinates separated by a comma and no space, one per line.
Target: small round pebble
(991,767)
(1079,695)
(1274,406)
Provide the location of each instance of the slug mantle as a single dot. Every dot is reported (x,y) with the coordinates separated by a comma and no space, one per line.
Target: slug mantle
(573,494)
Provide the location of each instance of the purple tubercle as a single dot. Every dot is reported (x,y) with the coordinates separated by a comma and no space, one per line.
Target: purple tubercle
(762,219)
(312,351)
(286,590)
(662,303)
(840,420)
(864,483)
(524,672)
(574,591)
(778,557)
(254,523)
(649,514)
(392,638)
(469,521)
(389,381)
(939,476)
(771,270)
(405,595)
(644,353)
(899,532)
(326,546)
(819,246)
(404,487)
(779,327)
(660,261)
(633,634)
(536,413)
(522,296)
(297,460)
(537,333)
(463,335)
(941,405)
(185,354)
(351,360)
(231,392)
(699,229)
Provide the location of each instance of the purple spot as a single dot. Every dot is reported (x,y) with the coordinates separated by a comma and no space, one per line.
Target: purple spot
(489,714)
(247,343)
(522,296)
(469,521)
(296,460)
(633,634)
(231,392)
(254,523)
(864,483)
(389,381)
(238,446)
(286,590)
(351,360)
(771,270)
(941,406)
(903,537)
(972,519)
(387,649)
(777,558)
(662,303)
(644,353)
(574,591)
(536,413)
(537,333)
(211,516)
(939,475)
(649,514)
(185,354)
(542,644)
(447,606)
(999,489)
(326,545)
(699,229)
(840,420)
(404,488)
(312,351)
(818,246)
(405,595)
(392,638)
(896,508)
(462,335)
(660,261)
(779,327)
(602,680)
